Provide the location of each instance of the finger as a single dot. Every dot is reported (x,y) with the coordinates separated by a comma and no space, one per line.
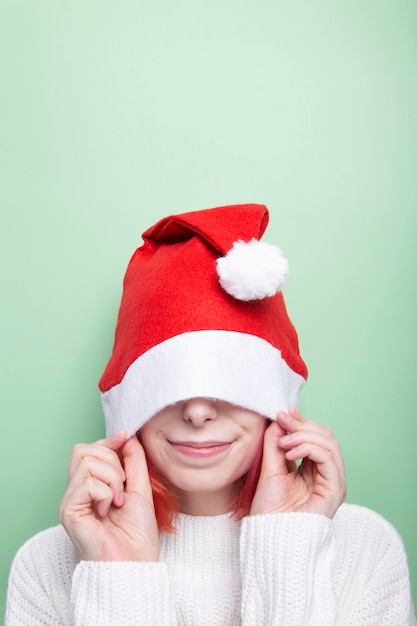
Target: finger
(113,442)
(91,495)
(293,422)
(288,422)
(100,472)
(90,452)
(295,414)
(104,449)
(315,453)
(105,473)
(331,468)
(317,437)
(273,460)
(311,433)
(322,466)
(136,468)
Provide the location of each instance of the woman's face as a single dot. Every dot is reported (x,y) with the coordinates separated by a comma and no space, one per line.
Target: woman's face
(202,447)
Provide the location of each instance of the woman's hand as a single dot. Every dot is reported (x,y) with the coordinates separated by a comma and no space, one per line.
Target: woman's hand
(107,509)
(317,486)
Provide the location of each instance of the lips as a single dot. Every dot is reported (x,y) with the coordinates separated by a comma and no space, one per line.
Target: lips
(200,444)
(200,449)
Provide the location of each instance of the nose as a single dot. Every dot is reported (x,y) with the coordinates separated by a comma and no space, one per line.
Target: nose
(198,410)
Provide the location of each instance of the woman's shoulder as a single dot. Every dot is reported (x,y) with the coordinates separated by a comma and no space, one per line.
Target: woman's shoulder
(366,532)
(361,519)
(370,564)
(48,552)
(40,578)
(54,537)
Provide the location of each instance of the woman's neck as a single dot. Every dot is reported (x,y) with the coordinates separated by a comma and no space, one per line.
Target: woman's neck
(207,504)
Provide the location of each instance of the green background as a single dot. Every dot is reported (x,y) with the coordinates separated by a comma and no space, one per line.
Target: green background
(114,114)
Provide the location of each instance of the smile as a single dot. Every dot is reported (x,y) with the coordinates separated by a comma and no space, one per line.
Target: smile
(200,449)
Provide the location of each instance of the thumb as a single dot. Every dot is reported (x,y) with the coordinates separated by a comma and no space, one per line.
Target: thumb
(136,468)
(273,460)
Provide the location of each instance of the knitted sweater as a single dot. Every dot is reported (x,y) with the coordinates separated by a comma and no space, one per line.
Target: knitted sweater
(285,568)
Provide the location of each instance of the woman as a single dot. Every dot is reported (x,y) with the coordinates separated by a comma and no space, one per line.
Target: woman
(193,509)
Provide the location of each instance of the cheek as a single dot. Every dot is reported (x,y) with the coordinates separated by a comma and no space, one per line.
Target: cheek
(251,456)
(149,442)
(255,450)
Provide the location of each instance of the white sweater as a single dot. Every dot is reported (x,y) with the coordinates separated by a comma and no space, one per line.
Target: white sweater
(286,568)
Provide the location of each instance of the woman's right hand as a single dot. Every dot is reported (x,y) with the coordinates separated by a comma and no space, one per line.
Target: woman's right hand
(107,509)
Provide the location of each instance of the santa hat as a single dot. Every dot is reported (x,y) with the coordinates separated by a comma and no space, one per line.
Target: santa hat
(202,315)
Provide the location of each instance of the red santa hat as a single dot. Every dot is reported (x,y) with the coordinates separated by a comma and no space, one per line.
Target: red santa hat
(202,315)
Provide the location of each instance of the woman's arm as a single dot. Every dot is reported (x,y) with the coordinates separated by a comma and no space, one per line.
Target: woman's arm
(49,586)
(287,562)
(302,555)
(108,509)
(305,569)
(108,515)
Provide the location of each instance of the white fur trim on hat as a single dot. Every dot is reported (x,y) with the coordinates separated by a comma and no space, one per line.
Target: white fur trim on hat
(235,367)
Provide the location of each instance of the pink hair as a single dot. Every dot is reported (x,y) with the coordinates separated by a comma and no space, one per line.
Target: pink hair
(166,508)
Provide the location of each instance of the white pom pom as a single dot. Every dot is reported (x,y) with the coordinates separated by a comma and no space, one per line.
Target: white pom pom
(253,270)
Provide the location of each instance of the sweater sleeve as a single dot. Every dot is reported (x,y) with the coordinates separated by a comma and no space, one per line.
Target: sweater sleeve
(40,581)
(375,587)
(108,593)
(49,586)
(287,562)
(305,569)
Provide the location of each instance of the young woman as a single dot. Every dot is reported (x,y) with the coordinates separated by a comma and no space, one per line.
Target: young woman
(193,509)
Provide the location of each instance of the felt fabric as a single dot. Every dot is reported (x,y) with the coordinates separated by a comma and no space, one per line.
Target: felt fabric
(247,365)
(219,227)
(171,288)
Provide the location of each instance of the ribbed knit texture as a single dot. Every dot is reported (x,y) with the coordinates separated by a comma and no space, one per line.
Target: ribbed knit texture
(284,569)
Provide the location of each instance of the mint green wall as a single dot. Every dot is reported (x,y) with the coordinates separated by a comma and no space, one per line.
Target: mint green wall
(116,113)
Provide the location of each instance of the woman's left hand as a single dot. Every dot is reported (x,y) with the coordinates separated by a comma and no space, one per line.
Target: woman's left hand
(317,486)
